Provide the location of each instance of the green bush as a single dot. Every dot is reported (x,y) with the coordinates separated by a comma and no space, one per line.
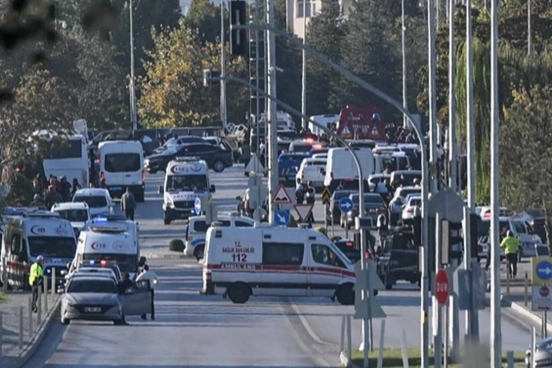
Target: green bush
(176,245)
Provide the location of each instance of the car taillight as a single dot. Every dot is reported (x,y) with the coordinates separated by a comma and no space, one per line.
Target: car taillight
(349,244)
(410,210)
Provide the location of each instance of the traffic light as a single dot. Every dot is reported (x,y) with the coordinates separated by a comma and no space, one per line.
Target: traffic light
(238,37)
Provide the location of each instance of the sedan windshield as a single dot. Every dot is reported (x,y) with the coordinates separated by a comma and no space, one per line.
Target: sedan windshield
(92,286)
(74,215)
(52,246)
(92,201)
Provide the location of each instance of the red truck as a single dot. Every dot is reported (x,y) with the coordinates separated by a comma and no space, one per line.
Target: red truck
(357,123)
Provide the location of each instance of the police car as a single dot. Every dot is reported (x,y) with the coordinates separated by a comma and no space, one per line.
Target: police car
(186,179)
(77,213)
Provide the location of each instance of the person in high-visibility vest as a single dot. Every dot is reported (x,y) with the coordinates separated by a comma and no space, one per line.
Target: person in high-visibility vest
(36,277)
(511,247)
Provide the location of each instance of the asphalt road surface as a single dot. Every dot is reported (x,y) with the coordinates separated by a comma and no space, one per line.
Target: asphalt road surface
(197,331)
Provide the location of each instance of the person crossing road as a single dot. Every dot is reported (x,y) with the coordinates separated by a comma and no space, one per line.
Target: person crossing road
(153,280)
(511,247)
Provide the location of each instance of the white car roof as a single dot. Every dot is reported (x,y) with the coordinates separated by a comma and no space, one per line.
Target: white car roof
(89,192)
(70,206)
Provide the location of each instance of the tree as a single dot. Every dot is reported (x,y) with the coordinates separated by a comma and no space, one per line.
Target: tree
(369,52)
(326,34)
(204,16)
(173,92)
(526,152)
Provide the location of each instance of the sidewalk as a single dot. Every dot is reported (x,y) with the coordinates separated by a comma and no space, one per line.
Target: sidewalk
(10,306)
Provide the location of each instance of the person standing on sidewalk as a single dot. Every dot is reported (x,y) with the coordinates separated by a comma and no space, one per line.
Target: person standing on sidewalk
(153,280)
(36,277)
(128,204)
(511,247)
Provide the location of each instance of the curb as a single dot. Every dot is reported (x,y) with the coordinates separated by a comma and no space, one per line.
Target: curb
(346,362)
(31,347)
(520,309)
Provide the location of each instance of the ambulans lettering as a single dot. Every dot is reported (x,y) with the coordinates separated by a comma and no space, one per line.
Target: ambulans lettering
(98,246)
(38,230)
(237,266)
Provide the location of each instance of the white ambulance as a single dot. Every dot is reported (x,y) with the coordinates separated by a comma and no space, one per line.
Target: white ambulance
(109,244)
(112,221)
(33,234)
(186,179)
(269,261)
(122,166)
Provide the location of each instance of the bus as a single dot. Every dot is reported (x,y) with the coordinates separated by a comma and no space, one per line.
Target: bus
(68,156)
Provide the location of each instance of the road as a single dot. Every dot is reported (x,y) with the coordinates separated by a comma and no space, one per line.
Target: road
(198,331)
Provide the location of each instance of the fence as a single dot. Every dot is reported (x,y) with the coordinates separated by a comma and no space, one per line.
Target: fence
(19,324)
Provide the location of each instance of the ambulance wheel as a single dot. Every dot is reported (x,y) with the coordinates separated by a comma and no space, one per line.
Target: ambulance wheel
(198,252)
(345,294)
(239,293)
(166,221)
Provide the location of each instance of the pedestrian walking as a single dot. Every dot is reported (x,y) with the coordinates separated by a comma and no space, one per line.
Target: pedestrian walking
(153,281)
(382,226)
(36,280)
(511,247)
(128,204)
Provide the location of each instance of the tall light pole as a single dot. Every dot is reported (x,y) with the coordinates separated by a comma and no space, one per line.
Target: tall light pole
(472,316)
(433,128)
(496,334)
(223,111)
(528,27)
(403,47)
(304,65)
(272,116)
(132,87)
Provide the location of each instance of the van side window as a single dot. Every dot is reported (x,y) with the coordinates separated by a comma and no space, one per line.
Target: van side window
(283,253)
(324,255)
(243,224)
(201,226)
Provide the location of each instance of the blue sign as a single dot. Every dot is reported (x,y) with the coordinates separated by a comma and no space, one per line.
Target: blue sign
(281,218)
(345,205)
(197,206)
(544,270)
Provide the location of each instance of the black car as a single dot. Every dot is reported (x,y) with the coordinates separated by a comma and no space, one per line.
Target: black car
(217,158)
(347,246)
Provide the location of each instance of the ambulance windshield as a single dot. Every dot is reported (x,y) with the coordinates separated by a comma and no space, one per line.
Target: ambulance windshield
(52,246)
(187,183)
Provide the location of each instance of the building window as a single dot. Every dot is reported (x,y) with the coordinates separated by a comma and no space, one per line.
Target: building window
(310,8)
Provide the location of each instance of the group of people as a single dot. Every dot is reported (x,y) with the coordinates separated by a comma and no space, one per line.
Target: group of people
(36,282)
(57,191)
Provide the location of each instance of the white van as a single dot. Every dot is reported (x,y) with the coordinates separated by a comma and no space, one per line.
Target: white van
(111,245)
(269,261)
(122,166)
(326,120)
(33,234)
(116,222)
(310,171)
(186,179)
(341,165)
(197,230)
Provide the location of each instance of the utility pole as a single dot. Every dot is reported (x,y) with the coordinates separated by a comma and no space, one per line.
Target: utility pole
(132,87)
(223,111)
(272,116)
(496,334)
(433,128)
(304,71)
(528,27)
(453,152)
(472,316)
(403,47)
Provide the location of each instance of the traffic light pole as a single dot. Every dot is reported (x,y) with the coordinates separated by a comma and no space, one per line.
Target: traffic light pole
(425,170)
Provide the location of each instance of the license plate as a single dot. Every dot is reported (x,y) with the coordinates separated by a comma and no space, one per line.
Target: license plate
(92,309)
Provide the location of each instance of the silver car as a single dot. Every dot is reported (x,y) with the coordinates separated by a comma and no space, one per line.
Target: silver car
(543,354)
(97,298)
